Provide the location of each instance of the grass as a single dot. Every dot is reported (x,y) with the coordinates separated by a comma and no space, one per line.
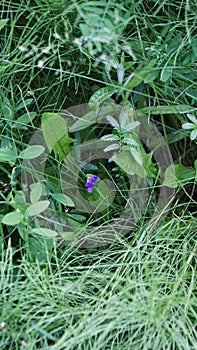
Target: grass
(131,295)
(139,292)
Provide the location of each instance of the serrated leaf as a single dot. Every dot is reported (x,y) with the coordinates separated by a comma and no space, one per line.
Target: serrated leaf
(36,192)
(110,137)
(45,232)
(188,126)
(63,199)
(130,141)
(37,208)
(193,135)
(113,122)
(192,118)
(112,147)
(132,126)
(12,219)
(31,152)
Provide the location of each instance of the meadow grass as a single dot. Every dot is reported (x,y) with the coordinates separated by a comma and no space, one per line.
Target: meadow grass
(139,292)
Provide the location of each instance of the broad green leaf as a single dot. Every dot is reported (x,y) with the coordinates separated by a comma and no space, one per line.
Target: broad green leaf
(45,232)
(63,199)
(3,23)
(7,155)
(102,95)
(36,192)
(137,156)
(31,152)
(12,219)
(175,174)
(55,132)
(128,164)
(84,122)
(37,208)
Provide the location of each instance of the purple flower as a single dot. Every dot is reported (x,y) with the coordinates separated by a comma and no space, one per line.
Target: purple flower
(89,186)
(94,179)
(90,183)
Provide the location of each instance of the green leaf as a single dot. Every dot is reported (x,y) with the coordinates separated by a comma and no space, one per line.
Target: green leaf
(176,109)
(102,95)
(166,74)
(63,199)
(7,155)
(24,104)
(85,30)
(55,132)
(45,232)
(151,76)
(31,152)
(128,164)
(37,208)
(12,219)
(36,192)
(84,122)
(193,135)
(7,110)
(175,174)
(176,136)
(3,23)
(68,236)
(26,118)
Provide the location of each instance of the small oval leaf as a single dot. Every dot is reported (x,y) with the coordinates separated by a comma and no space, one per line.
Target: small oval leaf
(37,208)
(63,199)
(45,232)
(12,219)
(36,192)
(31,152)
